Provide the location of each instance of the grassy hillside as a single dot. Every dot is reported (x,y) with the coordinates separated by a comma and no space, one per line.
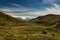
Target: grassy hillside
(31,30)
(8,20)
(50,19)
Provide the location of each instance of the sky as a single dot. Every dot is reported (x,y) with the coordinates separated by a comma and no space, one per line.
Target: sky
(29,8)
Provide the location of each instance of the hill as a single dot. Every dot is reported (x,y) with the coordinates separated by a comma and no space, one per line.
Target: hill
(49,19)
(8,20)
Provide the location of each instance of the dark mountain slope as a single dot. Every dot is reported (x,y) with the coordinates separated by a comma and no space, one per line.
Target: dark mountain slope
(49,19)
(8,20)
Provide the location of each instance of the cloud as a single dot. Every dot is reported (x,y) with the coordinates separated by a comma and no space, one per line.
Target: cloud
(49,1)
(31,13)
(56,6)
(53,10)
(14,9)
(14,4)
(26,12)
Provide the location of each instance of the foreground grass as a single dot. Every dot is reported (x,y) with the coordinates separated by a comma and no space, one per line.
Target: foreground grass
(34,32)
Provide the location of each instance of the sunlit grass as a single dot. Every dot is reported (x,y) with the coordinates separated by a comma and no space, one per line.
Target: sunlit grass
(28,33)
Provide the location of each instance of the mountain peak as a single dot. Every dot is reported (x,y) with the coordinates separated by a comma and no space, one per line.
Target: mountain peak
(52,15)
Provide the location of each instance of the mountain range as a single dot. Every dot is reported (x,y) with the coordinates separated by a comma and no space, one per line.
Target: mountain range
(50,19)
(39,28)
